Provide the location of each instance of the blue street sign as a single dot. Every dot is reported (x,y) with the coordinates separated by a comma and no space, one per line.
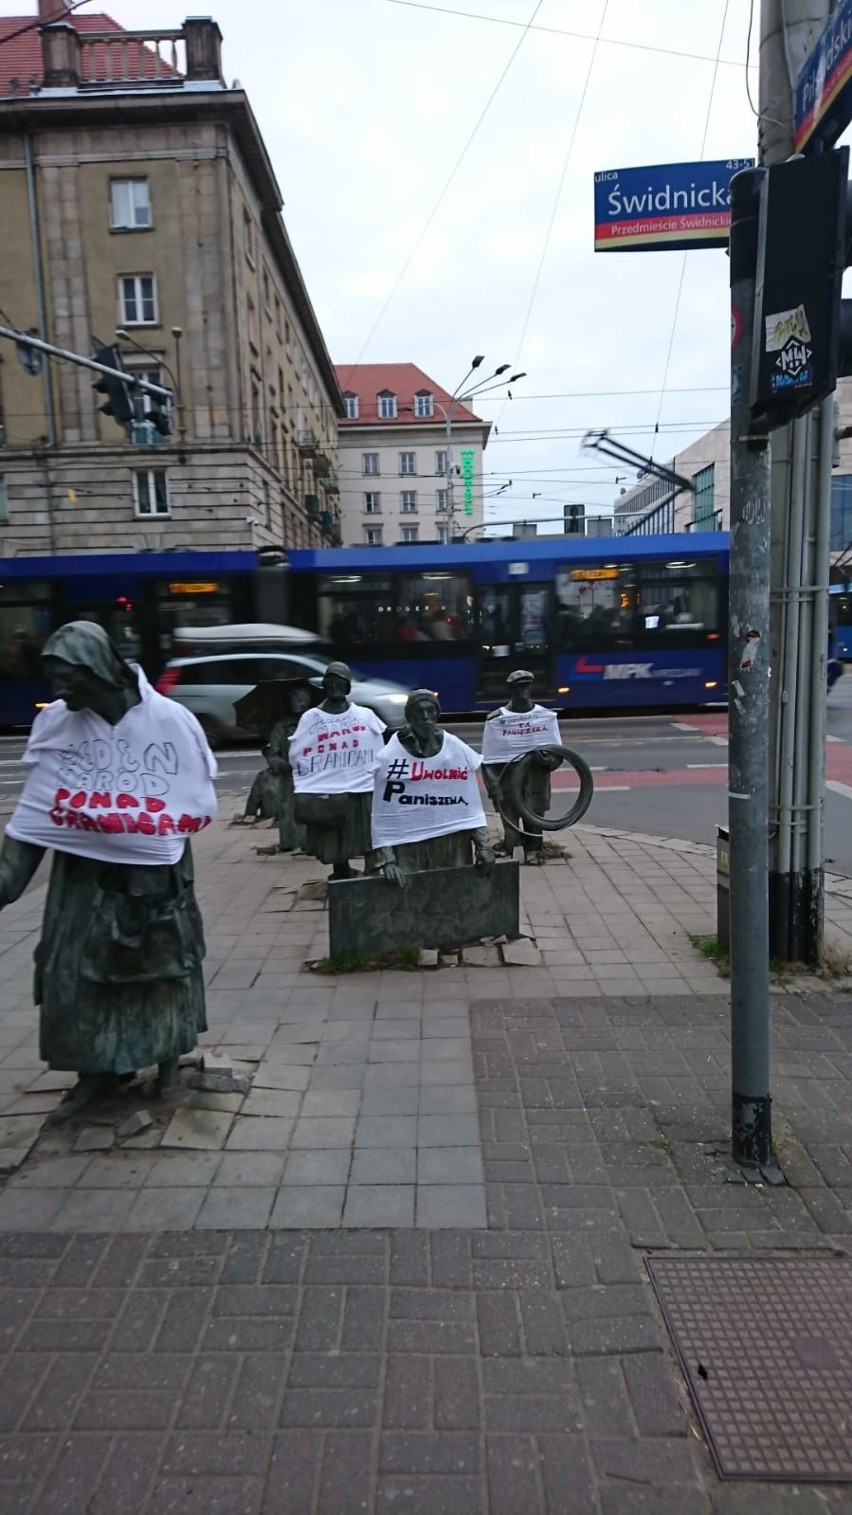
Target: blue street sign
(671,205)
(824,86)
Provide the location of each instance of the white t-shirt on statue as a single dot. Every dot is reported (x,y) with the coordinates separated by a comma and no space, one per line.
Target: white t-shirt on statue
(336,754)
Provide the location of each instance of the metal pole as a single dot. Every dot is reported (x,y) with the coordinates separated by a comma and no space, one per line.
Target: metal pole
(24,339)
(448,417)
(749,707)
(38,271)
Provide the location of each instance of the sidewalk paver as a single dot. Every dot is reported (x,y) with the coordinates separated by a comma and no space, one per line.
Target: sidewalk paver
(408,1272)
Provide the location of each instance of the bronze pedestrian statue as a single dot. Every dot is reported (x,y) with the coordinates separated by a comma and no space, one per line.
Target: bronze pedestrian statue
(120,778)
(425,787)
(511,731)
(333,752)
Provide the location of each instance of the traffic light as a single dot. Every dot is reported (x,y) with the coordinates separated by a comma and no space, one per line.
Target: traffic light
(802,328)
(119,400)
(575,520)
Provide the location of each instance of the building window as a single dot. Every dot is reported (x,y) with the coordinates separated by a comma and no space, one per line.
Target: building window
(253,332)
(4,502)
(408,462)
(704,481)
(373,503)
(248,237)
(350,401)
(370,463)
(387,406)
(441,499)
(152,375)
(443,535)
(138,299)
(267,289)
(441,461)
(277,318)
(408,534)
(424,405)
(130,204)
(408,502)
(150,492)
(373,536)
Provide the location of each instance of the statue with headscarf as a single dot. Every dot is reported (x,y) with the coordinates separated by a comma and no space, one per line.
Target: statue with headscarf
(427,810)
(120,779)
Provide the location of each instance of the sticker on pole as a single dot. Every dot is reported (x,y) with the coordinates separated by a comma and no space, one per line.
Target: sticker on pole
(789,336)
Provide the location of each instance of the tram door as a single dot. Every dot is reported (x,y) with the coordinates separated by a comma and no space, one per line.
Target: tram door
(513,631)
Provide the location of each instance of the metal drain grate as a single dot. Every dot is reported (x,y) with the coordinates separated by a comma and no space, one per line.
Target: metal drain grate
(766,1346)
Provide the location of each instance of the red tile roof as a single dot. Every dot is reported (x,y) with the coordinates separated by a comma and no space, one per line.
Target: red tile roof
(405,380)
(21,57)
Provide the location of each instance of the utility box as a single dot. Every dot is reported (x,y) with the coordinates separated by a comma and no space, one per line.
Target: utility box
(723,888)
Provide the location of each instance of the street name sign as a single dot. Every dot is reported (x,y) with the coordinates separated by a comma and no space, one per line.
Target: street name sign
(671,205)
(823,103)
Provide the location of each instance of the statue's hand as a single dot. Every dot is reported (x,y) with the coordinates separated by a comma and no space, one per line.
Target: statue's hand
(394,875)
(548,757)
(484,858)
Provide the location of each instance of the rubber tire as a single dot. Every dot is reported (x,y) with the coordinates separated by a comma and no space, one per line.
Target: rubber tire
(578,809)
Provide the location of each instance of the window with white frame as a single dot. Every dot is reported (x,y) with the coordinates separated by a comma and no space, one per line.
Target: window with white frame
(441,460)
(387,405)
(151,374)
(408,462)
(441,499)
(370,463)
(443,535)
(373,536)
(130,204)
(150,492)
(351,403)
(408,534)
(424,405)
(373,503)
(408,501)
(137,294)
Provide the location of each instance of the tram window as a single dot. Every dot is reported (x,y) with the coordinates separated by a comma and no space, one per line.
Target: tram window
(596,606)
(433,607)
(678,599)
(23,632)
(355,609)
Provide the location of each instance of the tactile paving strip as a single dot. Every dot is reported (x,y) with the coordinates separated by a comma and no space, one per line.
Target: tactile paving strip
(766,1346)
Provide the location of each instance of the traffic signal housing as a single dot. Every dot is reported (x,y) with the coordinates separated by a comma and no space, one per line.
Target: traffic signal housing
(575,520)
(119,397)
(802,338)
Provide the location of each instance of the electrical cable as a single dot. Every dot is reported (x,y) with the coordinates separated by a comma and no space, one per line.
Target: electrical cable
(435,208)
(686,254)
(557,31)
(558,196)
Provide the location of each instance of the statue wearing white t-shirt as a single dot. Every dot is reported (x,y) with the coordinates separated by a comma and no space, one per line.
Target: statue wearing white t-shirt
(510,732)
(333,753)
(425,789)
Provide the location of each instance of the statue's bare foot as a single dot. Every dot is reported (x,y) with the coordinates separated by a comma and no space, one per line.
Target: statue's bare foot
(535,859)
(89,1088)
(268,851)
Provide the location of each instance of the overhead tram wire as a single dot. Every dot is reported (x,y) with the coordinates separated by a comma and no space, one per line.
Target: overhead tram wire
(558,196)
(435,208)
(560,31)
(685,255)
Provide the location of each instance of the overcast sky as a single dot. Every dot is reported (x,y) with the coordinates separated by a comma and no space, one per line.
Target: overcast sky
(436,163)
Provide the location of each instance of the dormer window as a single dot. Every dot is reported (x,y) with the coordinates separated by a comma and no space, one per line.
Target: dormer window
(423,404)
(387,406)
(350,402)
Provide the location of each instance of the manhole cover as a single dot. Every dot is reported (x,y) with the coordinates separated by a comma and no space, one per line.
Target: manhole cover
(766,1346)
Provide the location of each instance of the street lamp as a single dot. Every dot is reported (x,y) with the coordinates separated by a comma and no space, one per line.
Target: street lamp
(460,396)
(177,333)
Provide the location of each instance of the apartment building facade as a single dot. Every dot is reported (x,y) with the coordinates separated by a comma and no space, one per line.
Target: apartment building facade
(410,458)
(137,196)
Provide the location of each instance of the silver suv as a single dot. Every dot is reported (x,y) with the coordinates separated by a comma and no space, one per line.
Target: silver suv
(209,686)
